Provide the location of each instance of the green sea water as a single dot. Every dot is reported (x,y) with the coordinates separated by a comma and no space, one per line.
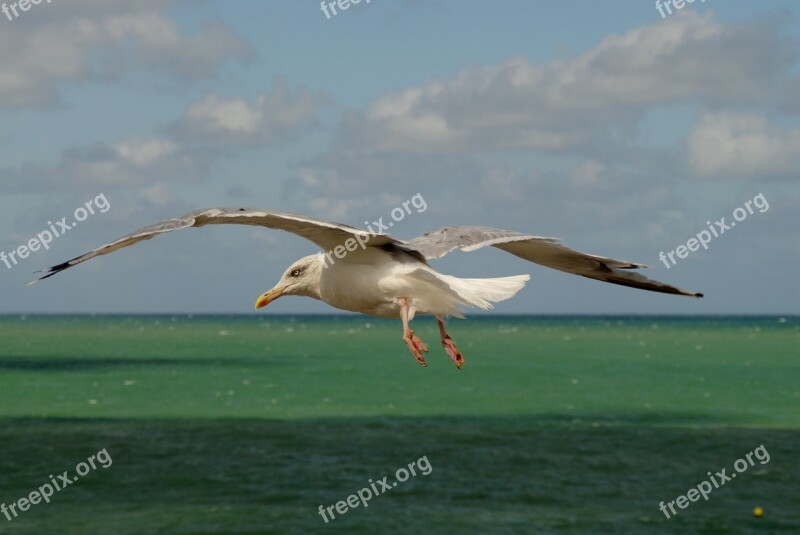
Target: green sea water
(246,425)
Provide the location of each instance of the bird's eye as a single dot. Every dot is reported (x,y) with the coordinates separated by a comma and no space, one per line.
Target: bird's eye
(295,273)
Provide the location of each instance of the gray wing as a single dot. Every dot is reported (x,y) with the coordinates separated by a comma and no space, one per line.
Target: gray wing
(545,251)
(325,234)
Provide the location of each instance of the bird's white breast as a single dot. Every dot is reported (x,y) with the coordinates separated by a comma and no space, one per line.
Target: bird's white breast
(364,281)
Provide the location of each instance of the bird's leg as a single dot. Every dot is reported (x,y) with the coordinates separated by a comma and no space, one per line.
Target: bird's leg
(448,345)
(415,345)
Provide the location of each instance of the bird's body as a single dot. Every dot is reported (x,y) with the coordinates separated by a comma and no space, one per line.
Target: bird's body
(382,276)
(370,280)
(364,281)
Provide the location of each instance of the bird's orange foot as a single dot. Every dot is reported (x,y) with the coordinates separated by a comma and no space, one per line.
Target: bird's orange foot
(452,351)
(416,346)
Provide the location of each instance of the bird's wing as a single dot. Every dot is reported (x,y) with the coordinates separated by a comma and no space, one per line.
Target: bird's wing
(325,234)
(545,251)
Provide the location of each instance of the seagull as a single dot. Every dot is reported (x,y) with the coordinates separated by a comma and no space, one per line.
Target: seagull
(376,274)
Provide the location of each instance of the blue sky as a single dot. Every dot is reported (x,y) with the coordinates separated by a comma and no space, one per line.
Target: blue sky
(600,123)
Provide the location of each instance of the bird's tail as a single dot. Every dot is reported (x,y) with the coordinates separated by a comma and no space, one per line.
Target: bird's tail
(483,292)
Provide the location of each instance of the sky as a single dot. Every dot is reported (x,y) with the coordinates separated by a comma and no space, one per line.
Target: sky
(622,132)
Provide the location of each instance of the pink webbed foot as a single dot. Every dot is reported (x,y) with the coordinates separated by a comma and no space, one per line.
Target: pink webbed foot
(416,346)
(452,351)
(448,344)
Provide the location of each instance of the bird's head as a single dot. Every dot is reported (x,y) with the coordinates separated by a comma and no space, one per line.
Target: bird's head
(301,278)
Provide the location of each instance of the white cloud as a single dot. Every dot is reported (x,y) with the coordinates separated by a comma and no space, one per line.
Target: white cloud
(157,194)
(517,105)
(145,152)
(273,116)
(234,115)
(56,43)
(130,163)
(742,145)
(589,174)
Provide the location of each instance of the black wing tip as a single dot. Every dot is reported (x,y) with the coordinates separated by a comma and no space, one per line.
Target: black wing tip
(50,272)
(649,285)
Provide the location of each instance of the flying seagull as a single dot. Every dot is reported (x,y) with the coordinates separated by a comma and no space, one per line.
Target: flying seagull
(376,274)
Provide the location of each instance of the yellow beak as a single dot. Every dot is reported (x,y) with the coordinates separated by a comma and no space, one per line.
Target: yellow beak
(268,297)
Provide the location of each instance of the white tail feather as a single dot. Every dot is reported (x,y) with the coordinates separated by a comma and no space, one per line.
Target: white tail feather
(483,292)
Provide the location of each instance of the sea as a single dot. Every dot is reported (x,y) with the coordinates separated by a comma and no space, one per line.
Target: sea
(200,424)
